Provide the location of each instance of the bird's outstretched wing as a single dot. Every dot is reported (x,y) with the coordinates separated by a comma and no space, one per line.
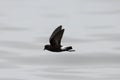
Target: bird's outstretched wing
(55,32)
(58,38)
(55,39)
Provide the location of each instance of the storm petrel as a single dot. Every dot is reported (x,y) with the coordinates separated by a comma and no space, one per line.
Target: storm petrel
(55,41)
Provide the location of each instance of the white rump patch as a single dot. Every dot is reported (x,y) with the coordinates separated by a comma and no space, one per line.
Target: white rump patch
(63,47)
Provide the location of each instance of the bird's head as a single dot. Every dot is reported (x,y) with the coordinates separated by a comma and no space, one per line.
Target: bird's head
(46,47)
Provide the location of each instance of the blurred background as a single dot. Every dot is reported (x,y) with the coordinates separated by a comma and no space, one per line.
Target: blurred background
(91,27)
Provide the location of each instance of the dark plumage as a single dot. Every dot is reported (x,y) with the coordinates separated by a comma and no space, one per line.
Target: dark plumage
(55,41)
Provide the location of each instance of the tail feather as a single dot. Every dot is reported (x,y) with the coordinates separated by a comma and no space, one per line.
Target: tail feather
(68,48)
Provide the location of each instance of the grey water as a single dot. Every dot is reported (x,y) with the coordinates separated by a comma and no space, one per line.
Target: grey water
(91,27)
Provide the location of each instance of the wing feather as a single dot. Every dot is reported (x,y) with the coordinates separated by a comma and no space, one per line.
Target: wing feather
(56,40)
(55,32)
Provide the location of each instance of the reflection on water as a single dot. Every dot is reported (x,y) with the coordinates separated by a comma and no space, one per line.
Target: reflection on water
(70,66)
(67,59)
(79,72)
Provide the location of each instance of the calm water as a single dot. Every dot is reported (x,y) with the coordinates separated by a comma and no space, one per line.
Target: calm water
(91,27)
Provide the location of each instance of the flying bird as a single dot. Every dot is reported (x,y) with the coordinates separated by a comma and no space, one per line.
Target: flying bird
(55,41)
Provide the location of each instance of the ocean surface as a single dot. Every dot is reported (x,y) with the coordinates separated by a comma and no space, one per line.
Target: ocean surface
(92,27)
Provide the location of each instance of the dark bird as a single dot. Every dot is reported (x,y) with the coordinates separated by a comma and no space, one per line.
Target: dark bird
(55,41)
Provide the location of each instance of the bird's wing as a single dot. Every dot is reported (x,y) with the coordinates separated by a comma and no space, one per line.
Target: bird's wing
(55,32)
(56,40)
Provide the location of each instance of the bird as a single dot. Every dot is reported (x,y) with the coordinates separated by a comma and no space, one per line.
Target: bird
(55,41)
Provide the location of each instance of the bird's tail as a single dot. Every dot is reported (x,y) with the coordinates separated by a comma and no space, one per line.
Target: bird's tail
(68,48)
